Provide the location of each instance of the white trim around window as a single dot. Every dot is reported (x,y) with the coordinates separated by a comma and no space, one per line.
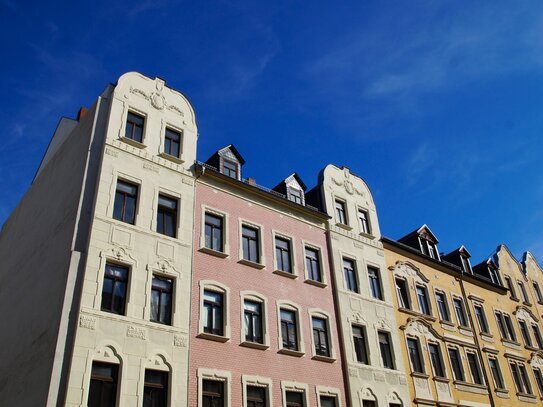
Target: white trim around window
(329,392)
(215,286)
(216,375)
(319,313)
(292,255)
(290,306)
(260,237)
(322,264)
(257,381)
(225,240)
(287,386)
(263,301)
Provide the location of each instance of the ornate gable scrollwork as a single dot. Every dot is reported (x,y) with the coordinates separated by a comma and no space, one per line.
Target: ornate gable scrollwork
(407,269)
(419,327)
(358,317)
(120,253)
(367,394)
(164,265)
(525,313)
(383,324)
(158,362)
(537,359)
(156,98)
(393,398)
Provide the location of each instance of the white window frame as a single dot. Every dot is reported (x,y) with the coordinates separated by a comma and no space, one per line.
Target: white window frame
(289,386)
(255,297)
(260,233)
(322,265)
(216,375)
(290,306)
(225,241)
(293,264)
(257,381)
(212,285)
(328,391)
(319,313)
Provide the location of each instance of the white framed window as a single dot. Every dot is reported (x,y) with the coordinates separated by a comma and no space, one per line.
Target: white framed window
(251,244)
(341,212)
(254,320)
(496,372)
(214,232)
(214,387)
(257,391)
(284,255)
(364,221)
(314,266)
(402,292)
(475,368)
(321,338)
(294,394)
(290,339)
(214,311)
(328,396)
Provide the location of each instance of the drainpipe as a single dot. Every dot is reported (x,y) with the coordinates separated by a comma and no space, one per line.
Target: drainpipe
(476,337)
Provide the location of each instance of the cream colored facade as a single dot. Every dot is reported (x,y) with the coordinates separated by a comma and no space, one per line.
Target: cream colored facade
(352,241)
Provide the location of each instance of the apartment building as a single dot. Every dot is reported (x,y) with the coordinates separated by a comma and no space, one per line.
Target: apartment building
(375,372)
(102,245)
(263,321)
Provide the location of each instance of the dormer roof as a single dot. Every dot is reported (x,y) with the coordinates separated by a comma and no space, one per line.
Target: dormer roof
(423,232)
(292,177)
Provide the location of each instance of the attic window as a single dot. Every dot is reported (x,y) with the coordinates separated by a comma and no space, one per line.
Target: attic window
(465,264)
(429,248)
(493,275)
(295,195)
(230,169)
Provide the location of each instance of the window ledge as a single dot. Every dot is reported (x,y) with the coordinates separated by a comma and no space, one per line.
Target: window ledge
(254,345)
(285,274)
(290,352)
(445,322)
(487,336)
(511,344)
(251,264)
(540,302)
(420,375)
(327,359)
(470,387)
(316,283)
(133,143)
(464,330)
(367,235)
(502,393)
(528,304)
(212,337)
(343,226)
(531,347)
(514,299)
(213,252)
(441,379)
(528,398)
(172,158)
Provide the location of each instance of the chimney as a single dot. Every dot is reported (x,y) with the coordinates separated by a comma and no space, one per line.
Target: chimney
(81,114)
(251,181)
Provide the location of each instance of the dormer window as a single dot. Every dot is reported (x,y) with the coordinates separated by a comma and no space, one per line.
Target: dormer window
(295,195)
(466,265)
(429,249)
(230,169)
(493,273)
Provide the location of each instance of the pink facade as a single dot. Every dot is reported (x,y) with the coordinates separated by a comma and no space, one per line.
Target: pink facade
(243,205)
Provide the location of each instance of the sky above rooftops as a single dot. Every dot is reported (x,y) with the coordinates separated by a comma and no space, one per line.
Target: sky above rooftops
(438,105)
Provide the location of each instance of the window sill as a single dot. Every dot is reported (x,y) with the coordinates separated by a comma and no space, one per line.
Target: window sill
(367,235)
(527,398)
(343,226)
(418,314)
(420,375)
(441,379)
(445,322)
(531,348)
(290,352)
(254,345)
(251,264)
(470,387)
(213,252)
(540,302)
(133,143)
(487,337)
(514,299)
(316,283)
(502,393)
(327,359)
(285,274)
(528,304)
(511,344)
(212,337)
(464,330)
(171,158)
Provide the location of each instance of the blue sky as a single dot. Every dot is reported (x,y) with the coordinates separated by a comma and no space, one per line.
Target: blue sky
(438,105)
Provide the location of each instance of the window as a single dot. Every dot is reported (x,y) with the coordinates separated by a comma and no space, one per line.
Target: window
(456,363)
(523,292)
(481,317)
(124,208)
(341,216)
(295,195)
(256,396)
(134,127)
(114,289)
(475,368)
(429,248)
(320,336)
(525,333)
(294,399)
(465,264)
(505,326)
(520,377)
(442,306)
(493,273)
(249,238)
(312,264)
(289,329)
(360,344)
(538,294)
(460,311)
(161,300)
(436,359)
(403,293)
(368,403)
(364,223)
(230,169)
(212,393)
(496,373)
(103,385)
(413,347)
(155,392)
(283,254)
(537,335)
(375,283)
(327,401)
(166,222)
(253,321)
(422,296)
(172,142)
(386,350)
(539,380)
(510,287)
(213,313)
(350,275)
(214,232)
